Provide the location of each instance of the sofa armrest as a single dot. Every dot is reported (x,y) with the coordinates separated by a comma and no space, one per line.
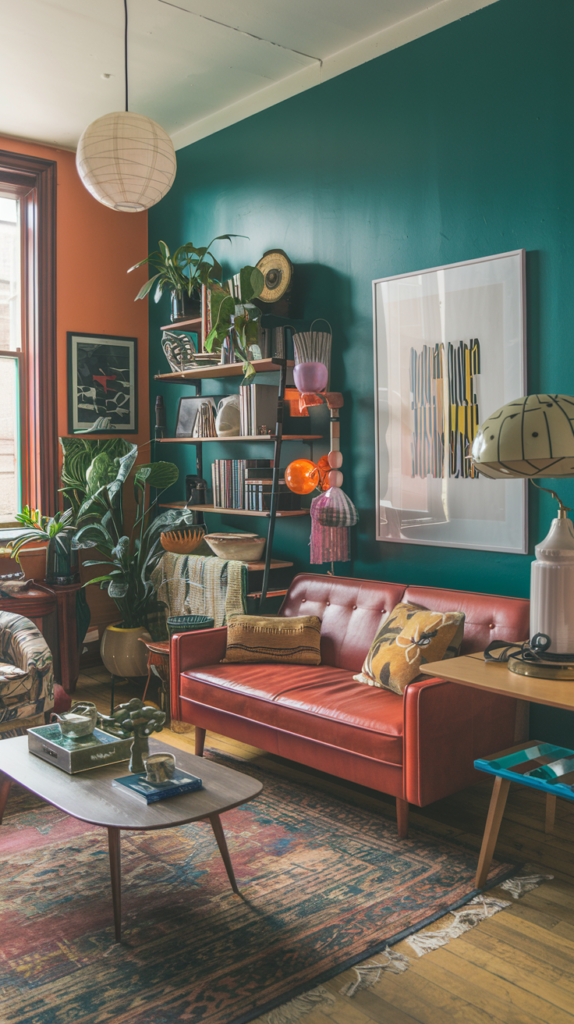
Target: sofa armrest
(447,726)
(191,650)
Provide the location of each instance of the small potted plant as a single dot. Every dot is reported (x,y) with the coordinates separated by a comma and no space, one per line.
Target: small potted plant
(61,557)
(182,274)
(237,318)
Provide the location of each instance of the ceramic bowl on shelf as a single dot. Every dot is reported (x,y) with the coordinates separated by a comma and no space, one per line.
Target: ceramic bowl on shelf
(241,547)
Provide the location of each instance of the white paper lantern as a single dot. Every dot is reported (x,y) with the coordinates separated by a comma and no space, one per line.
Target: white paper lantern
(126,161)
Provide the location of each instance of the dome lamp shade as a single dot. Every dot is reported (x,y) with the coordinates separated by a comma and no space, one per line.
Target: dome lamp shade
(126,161)
(531,437)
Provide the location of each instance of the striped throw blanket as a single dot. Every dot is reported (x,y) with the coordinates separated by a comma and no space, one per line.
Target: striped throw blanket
(201,585)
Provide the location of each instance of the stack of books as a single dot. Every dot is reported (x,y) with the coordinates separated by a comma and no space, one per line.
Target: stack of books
(258,409)
(151,792)
(228,480)
(247,484)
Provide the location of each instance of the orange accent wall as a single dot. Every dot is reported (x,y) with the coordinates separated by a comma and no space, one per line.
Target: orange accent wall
(95,248)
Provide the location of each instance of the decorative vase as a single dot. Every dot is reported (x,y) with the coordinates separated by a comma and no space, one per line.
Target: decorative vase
(122,653)
(552,587)
(184,306)
(62,563)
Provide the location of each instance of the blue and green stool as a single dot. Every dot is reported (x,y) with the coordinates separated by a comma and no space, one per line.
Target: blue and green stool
(542,766)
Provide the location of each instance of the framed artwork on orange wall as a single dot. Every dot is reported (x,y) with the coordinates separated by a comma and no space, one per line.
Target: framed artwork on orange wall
(102,384)
(449,349)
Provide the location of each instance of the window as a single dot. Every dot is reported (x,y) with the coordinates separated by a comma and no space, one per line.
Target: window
(10,341)
(28,414)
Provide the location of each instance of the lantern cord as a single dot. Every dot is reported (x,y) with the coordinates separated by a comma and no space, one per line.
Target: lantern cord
(126,51)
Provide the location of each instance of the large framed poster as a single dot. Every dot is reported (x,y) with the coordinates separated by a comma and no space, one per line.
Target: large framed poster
(102,384)
(449,350)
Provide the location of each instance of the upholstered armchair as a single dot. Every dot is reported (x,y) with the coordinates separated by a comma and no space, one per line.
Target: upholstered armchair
(26,676)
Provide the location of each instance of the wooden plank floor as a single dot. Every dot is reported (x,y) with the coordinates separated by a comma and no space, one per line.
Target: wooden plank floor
(515,968)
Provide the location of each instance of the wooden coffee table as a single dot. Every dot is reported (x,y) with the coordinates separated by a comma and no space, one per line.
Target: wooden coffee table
(91,797)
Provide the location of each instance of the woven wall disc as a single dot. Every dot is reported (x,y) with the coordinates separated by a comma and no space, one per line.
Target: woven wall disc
(277,270)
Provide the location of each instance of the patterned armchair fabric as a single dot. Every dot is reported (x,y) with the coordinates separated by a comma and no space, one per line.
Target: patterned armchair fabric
(25,696)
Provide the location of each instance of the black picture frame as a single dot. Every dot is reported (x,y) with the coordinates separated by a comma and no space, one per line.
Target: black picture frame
(187,410)
(102,383)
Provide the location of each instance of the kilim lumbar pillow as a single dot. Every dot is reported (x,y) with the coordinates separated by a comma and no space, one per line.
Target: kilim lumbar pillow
(293,641)
(410,637)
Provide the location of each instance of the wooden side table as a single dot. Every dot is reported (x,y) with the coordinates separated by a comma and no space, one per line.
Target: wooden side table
(473,670)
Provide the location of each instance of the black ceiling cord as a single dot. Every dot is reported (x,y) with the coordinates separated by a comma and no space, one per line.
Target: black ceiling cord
(126,51)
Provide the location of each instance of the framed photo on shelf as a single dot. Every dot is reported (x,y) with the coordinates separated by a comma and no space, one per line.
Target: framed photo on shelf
(196,417)
(449,349)
(102,384)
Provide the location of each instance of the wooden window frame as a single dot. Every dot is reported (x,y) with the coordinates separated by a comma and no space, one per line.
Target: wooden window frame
(33,180)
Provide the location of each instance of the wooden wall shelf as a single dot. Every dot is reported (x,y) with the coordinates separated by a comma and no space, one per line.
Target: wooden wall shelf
(219,370)
(233,511)
(247,437)
(182,325)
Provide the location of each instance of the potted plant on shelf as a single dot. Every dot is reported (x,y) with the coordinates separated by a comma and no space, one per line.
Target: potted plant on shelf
(128,561)
(237,318)
(183,274)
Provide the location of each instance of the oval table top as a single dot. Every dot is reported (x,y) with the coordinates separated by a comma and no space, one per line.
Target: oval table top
(91,797)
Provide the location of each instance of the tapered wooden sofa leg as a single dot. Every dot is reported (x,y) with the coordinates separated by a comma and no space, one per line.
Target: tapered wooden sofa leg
(199,741)
(402,817)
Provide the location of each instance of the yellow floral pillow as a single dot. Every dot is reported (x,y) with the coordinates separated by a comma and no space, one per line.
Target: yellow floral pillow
(409,638)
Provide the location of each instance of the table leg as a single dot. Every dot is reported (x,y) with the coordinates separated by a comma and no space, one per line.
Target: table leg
(116,876)
(68,640)
(550,812)
(219,835)
(495,813)
(5,783)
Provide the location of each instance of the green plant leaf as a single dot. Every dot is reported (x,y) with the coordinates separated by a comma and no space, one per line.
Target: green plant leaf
(158,474)
(248,372)
(118,589)
(146,288)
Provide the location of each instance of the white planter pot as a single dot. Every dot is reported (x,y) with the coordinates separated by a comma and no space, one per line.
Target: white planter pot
(122,651)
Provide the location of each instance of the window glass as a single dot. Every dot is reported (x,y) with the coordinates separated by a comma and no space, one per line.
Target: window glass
(10,340)
(10,297)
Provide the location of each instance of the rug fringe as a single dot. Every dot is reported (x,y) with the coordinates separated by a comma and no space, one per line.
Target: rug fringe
(301,1006)
(475,911)
(522,884)
(369,974)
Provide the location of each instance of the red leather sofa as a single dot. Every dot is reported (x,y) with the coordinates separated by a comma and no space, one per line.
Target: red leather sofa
(417,748)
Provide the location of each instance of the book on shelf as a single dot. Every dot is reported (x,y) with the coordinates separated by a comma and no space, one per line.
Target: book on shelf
(258,498)
(151,793)
(257,408)
(228,480)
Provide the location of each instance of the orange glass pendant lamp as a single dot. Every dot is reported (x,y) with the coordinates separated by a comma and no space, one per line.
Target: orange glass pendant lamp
(302,476)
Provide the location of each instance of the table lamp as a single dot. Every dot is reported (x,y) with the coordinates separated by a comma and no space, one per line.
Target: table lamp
(531,438)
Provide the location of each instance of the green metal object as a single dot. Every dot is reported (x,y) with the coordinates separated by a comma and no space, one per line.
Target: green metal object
(136,720)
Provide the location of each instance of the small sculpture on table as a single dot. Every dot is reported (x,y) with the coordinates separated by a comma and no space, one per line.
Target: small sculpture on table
(139,720)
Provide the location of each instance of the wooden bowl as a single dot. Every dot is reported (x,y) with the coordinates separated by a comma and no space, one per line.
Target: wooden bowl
(182,542)
(243,547)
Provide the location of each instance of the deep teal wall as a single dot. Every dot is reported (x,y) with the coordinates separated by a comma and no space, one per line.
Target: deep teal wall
(455,146)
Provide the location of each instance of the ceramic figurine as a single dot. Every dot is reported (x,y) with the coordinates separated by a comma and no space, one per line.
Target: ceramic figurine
(139,720)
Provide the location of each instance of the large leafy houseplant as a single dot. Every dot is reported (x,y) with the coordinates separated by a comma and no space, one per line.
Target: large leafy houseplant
(184,272)
(89,463)
(129,560)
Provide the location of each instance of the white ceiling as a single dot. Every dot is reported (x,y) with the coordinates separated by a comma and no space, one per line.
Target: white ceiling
(186,71)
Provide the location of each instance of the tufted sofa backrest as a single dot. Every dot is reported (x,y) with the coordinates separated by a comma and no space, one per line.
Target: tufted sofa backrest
(351,611)
(487,616)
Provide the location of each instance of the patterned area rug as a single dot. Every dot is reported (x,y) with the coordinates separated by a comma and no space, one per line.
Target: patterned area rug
(323,885)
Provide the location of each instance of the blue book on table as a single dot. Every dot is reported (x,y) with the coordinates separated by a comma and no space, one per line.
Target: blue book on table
(150,793)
